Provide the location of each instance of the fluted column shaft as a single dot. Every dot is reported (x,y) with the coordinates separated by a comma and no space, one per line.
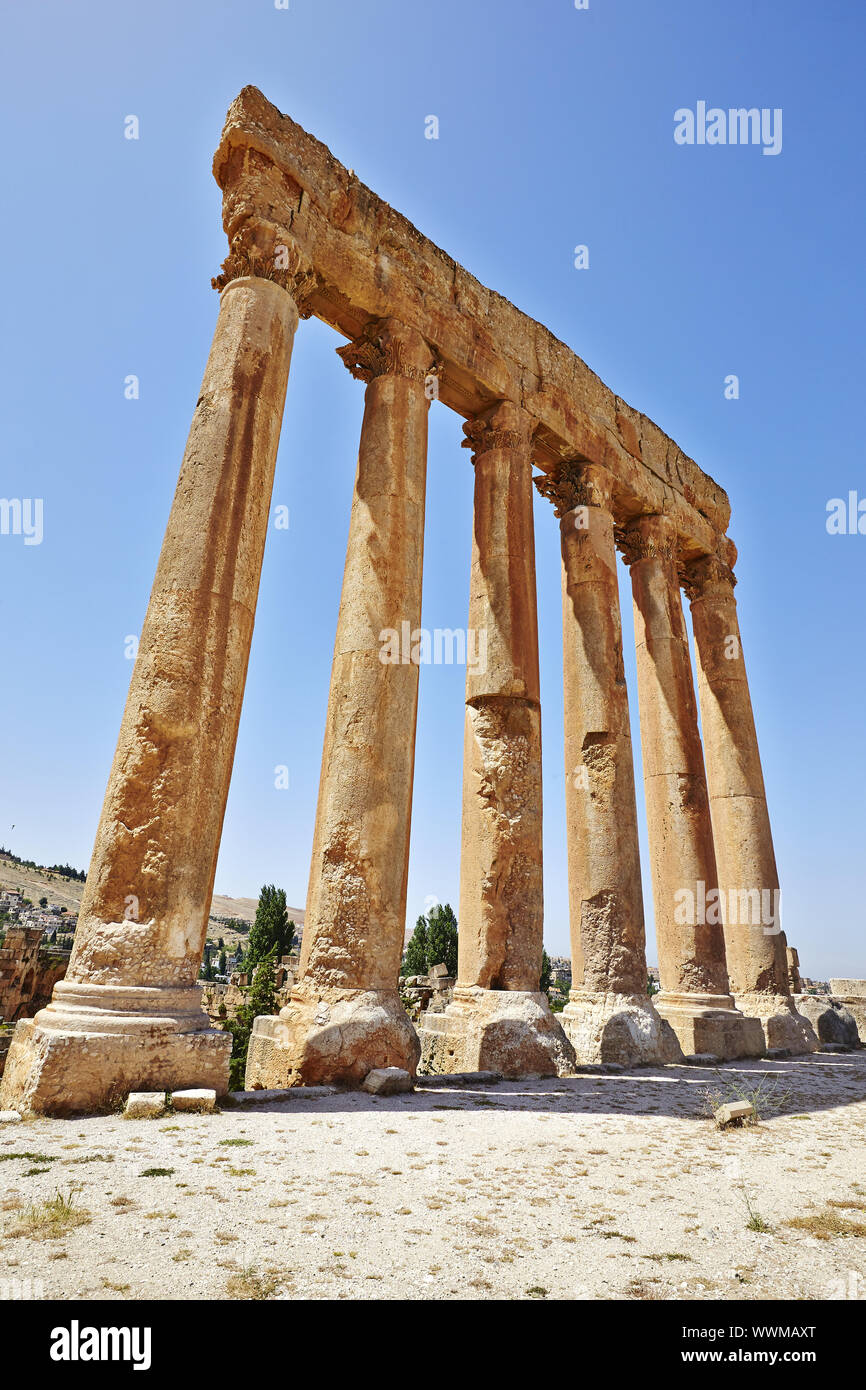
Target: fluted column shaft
(356,905)
(748,878)
(501,895)
(605,900)
(691,953)
(128,1012)
(145,906)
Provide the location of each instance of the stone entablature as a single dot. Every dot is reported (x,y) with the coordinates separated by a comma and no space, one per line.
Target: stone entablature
(282,187)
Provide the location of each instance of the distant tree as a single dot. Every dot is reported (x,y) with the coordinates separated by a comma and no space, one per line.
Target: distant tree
(272,930)
(262,999)
(415,960)
(651,986)
(442,937)
(221,967)
(207,970)
(221,944)
(43,902)
(544,983)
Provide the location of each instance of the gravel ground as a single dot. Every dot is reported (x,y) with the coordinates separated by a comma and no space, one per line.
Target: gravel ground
(596,1186)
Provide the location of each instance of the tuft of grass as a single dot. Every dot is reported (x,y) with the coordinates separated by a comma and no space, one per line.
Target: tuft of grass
(823,1225)
(537,1292)
(156,1172)
(234,1143)
(767,1097)
(53,1218)
(249,1284)
(666,1255)
(28,1157)
(756,1222)
(644,1289)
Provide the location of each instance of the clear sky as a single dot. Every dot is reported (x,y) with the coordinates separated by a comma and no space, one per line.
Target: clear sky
(556,128)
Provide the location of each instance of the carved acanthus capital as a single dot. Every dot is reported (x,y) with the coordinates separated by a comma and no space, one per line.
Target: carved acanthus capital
(707,572)
(263,251)
(647,538)
(504,426)
(389,348)
(575,483)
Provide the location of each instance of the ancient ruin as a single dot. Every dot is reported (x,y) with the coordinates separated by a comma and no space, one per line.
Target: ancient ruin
(307,238)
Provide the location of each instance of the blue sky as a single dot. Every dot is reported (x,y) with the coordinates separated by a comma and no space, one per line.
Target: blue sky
(556,129)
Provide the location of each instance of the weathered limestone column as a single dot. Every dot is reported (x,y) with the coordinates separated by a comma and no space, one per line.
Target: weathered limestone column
(128,1014)
(608,1017)
(695,997)
(499,1020)
(344,1016)
(755,944)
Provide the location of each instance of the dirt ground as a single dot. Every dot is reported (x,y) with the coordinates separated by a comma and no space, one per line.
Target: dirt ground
(613,1185)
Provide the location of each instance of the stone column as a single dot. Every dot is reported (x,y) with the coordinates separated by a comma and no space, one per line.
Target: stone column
(128,1014)
(608,1017)
(344,1016)
(499,1020)
(695,997)
(755,944)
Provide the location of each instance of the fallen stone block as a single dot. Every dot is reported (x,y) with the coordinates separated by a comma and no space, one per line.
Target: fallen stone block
(268,1097)
(9,1117)
(702,1059)
(460,1078)
(386,1081)
(831,1020)
(735,1112)
(778,1054)
(144,1105)
(202,1101)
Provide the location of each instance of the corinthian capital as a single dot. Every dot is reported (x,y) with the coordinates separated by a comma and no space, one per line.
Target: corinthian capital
(263,250)
(707,572)
(575,483)
(389,348)
(504,426)
(647,538)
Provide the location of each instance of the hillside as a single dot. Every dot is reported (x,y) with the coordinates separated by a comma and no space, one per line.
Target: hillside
(65,892)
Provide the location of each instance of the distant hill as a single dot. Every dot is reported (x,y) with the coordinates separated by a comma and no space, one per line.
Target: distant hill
(66,892)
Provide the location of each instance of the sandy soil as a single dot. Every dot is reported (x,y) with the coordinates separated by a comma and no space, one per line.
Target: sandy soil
(598,1186)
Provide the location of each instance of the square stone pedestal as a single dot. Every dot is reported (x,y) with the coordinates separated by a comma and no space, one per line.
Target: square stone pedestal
(709,1023)
(782,1025)
(620,1028)
(93,1044)
(509,1031)
(327,1036)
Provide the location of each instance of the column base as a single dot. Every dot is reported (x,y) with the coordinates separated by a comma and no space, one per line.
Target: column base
(620,1028)
(93,1044)
(327,1036)
(509,1031)
(783,1026)
(709,1023)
